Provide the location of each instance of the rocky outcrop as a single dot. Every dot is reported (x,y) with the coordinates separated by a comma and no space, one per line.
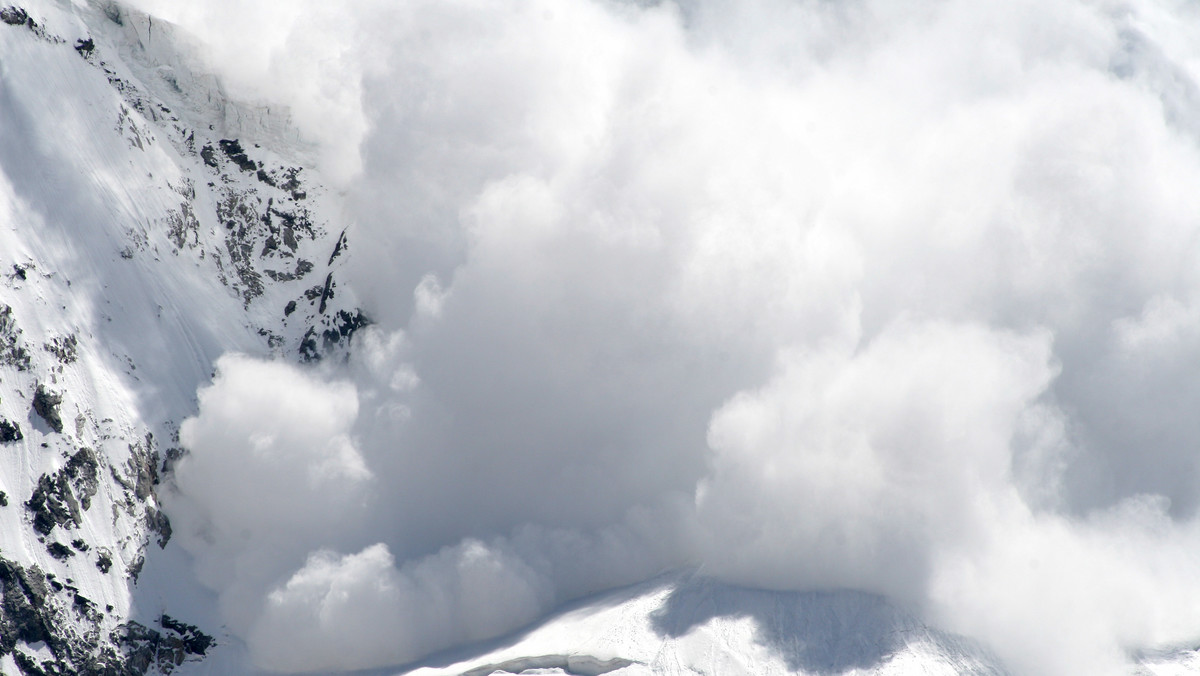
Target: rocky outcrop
(10,432)
(38,609)
(45,404)
(164,650)
(12,351)
(60,498)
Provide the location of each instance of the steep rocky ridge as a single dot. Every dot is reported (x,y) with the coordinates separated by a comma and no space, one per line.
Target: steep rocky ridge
(133,195)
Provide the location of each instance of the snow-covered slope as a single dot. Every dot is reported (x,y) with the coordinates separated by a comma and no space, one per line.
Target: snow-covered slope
(682,624)
(139,240)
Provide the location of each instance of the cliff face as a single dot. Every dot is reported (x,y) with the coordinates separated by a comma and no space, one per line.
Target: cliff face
(147,225)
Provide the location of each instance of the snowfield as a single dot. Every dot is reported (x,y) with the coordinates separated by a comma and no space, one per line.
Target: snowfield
(682,624)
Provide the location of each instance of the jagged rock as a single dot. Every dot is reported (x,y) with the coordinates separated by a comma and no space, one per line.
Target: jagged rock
(35,608)
(3,499)
(209,156)
(195,641)
(173,455)
(233,149)
(12,352)
(58,497)
(25,617)
(53,504)
(10,432)
(326,293)
(344,326)
(157,522)
(65,348)
(13,16)
(83,471)
(45,404)
(142,468)
(59,551)
(145,647)
(338,247)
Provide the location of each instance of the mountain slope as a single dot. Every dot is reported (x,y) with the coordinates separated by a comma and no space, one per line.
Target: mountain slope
(688,625)
(136,246)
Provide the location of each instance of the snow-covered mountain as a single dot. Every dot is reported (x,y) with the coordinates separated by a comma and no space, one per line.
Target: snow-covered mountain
(151,223)
(147,225)
(685,625)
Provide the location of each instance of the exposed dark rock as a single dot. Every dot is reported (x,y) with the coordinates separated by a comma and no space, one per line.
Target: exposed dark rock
(142,468)
(158,523)
(65,348)
(83,471)
(79,544)
(291,181)
(53,504)
(209,156)
(308,346)
(167,649)
(58,497)
(12,352)
(327,293)
(3,499)
(338,247)
(27,665)
(83,604)
(25,617)
(303,267)
(135,569)
(85,47)
(239,214)
(104,561)
(10,432)
(45,404)
(287,312)
(233,150)
(172,456)
(195,641)
(13,16)
(183,227)
(289,238)
(344,326)
(36,608)
(59,551)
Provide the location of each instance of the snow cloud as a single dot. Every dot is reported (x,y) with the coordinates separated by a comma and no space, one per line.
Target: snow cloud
(889,294)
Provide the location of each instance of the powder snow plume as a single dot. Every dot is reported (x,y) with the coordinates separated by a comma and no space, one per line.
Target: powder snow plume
(891,295)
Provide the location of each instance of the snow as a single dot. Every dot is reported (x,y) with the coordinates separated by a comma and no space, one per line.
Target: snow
(686,624)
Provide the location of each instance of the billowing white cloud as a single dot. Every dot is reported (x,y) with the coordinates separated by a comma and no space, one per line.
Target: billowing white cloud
(870,463)
(357,611)
(272,465)
(889,294)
